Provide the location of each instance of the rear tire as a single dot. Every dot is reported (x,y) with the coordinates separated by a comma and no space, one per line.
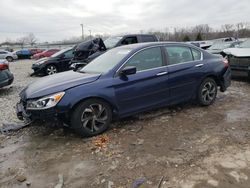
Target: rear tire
(9,59)
(91,117)
(207,92)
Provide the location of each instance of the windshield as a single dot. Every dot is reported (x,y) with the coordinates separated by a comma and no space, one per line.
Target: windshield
(220,46)
(112,41)
(106,61)
(245,44)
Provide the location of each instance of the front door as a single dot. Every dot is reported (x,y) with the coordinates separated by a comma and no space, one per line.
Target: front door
(145,89)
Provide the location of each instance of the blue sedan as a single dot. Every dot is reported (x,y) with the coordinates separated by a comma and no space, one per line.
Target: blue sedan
(125,81)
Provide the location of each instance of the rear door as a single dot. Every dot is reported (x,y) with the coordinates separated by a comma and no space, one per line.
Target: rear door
(148,87)
(185,70)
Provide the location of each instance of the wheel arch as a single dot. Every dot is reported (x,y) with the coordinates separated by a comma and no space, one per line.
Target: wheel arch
(215,77)
(8,56)
(113,107)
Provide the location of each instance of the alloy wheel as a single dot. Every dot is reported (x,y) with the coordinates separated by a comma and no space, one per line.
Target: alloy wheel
(51,69)
(208,92)
(94,117)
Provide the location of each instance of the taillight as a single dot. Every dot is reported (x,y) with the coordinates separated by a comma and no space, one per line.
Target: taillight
(225,61)
(4,66)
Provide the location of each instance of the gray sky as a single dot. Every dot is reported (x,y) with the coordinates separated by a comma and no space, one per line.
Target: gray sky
(53,20)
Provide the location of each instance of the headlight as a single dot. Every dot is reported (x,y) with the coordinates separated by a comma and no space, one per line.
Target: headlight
(45,102)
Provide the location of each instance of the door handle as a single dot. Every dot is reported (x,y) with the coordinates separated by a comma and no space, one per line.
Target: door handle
(199,65)
(161,73)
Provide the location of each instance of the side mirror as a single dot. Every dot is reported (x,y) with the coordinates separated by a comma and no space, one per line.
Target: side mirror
(128,70)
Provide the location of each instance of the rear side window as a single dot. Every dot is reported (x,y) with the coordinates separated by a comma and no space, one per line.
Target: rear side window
(129,40)
(146,59)
(196,54)
(178,54)
(148,38)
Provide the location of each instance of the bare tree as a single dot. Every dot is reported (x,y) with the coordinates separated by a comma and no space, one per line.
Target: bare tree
(22,41)
(31,39)
(228,30)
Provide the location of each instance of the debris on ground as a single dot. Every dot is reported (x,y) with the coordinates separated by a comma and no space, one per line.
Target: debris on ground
(60,182)
(138,182)
(100,142)
(110,184)
(160,182)
(28,183)
(138,142)
(21,178)
(8,127)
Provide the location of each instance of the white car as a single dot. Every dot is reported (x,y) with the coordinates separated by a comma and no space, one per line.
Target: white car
(9,56)
(239,59)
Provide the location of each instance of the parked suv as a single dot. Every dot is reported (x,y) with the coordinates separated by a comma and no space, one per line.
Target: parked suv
(116,41)
(6,77)
(88,51)
(9,56)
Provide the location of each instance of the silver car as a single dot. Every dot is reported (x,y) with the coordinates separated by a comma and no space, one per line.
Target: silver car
(9,56)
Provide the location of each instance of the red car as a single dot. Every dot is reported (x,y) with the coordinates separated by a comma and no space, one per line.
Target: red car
(36,51)
(46,53)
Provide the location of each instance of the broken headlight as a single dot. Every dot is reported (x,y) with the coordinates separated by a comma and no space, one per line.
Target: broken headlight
(45,102)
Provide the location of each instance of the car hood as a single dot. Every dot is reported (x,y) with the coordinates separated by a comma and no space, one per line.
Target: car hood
(57,83)
(41,60)
(238,52)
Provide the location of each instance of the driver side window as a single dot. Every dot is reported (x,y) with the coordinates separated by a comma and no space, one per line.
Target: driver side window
(146,59)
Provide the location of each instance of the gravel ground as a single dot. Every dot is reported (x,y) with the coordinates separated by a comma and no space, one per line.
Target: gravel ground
(185,146)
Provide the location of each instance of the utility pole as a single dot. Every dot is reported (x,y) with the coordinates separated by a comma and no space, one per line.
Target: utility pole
(90,33)
(82,31)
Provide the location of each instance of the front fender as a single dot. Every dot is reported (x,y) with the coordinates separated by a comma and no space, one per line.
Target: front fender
(80,93)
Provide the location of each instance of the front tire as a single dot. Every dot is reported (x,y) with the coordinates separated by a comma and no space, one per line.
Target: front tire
(207,92)
(9,59)
(51,69)
(91,117)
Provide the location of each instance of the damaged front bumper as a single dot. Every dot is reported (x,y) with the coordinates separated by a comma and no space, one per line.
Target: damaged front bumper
(49,114)
(22,114)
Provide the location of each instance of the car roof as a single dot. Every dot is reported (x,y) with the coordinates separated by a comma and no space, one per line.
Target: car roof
(128,35)
(138,46)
